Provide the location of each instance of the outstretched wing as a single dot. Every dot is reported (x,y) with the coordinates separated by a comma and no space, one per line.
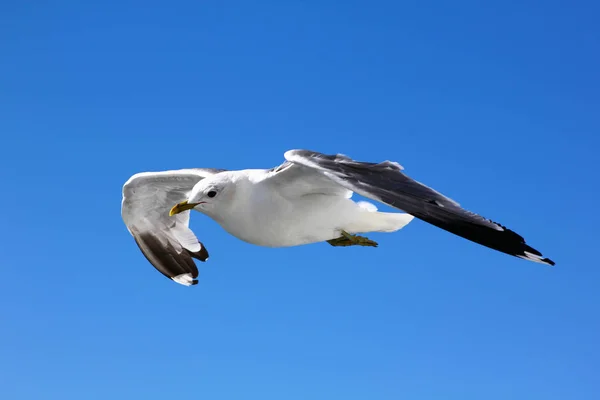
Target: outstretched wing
(167,242)
(385,182)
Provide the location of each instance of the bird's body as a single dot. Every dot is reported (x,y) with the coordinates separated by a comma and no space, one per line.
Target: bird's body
(295,219)
(307,199)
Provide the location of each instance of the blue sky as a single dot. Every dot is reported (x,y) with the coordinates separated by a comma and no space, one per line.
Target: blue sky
(496,106)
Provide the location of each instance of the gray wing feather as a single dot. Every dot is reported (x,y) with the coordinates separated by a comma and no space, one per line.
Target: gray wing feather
(385,182)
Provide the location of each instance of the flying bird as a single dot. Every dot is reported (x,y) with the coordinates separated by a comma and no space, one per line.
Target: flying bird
(306,199)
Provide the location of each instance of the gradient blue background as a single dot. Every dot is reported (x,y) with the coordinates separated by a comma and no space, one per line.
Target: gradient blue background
(495,106)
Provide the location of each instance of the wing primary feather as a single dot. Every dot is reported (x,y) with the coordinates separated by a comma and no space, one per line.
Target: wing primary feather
(166,259)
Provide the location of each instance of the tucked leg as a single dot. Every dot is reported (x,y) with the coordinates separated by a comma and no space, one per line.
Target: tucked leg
(352,240)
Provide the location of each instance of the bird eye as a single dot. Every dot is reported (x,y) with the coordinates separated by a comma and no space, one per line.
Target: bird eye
(212,193)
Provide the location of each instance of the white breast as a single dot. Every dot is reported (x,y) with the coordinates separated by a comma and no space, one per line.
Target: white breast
(264,218)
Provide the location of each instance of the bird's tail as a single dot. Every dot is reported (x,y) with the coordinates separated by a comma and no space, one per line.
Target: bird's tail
(375,221)
(391,222)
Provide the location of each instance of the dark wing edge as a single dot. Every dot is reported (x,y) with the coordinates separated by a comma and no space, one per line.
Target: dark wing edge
(385,182)
(179,267)
(175,263)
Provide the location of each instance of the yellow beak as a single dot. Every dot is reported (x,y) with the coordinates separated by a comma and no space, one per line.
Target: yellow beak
(183,206)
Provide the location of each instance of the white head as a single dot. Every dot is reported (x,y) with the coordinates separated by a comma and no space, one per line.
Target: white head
(208,196)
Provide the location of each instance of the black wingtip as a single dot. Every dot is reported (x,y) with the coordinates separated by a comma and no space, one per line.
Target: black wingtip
(545,261)
(201,255)
(548,261)
(531,254)
(166,259)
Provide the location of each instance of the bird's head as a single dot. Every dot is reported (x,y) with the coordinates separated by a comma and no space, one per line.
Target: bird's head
(208,196)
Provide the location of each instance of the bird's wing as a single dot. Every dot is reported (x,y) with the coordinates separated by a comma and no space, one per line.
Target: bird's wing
(293,180)
(385,182)
(167,242)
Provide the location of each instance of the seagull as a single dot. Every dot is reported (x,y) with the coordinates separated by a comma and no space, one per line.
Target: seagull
(306,199)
